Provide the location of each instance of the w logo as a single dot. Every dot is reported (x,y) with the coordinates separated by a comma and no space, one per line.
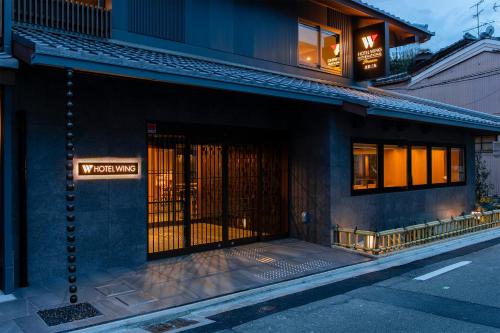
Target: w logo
(369,41)
(87,168)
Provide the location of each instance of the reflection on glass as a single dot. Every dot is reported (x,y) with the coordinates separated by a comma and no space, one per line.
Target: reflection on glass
(457,165)
(365,166)
(419,165)
(439,165)
(330,51)
(308,45)
(395,166)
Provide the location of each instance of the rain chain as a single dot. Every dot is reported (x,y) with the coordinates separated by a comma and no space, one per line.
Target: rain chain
(70,188)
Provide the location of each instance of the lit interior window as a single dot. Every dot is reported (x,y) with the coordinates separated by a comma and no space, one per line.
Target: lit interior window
(439,165)
(395,166)
(457,165)
(365,166)
(308,45)
(331,51)
(97,3)
(419,165)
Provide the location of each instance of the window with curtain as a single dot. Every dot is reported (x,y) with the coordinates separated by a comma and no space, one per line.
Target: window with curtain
(395,166)
(419,165)
(365,166)
(439,165)
(457,165)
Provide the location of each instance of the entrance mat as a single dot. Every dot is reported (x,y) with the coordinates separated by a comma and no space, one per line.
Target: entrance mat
(66,314)
(170,325)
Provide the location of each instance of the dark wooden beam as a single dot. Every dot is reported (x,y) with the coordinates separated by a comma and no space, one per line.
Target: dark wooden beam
(357,109)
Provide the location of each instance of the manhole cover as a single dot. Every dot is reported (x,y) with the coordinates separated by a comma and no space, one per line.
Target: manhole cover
(66,314)
(170,325)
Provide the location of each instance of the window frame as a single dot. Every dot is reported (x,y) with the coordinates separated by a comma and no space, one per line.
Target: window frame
(378,166)
(409,144)
(483,142)
(318,66)
(450,166)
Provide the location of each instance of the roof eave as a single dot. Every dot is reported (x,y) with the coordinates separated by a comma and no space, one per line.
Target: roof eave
(383,112)
(145,74)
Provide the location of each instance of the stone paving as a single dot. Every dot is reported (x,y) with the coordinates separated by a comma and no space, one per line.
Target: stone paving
(123,292)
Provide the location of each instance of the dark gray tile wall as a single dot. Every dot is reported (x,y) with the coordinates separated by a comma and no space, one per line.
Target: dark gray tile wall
(111,117)
(397,209)
(110,120)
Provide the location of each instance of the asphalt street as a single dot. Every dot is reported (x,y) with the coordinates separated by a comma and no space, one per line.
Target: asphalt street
(455,292)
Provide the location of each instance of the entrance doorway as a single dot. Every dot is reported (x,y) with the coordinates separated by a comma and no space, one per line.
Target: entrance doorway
(207,191)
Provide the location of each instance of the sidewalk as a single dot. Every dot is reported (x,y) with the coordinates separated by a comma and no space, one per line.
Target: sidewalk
(128,292)
(200,311)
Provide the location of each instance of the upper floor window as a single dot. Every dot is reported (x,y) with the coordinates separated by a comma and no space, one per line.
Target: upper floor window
(320,48)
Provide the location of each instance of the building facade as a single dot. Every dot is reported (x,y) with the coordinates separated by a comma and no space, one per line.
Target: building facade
(136,130)
(464,74)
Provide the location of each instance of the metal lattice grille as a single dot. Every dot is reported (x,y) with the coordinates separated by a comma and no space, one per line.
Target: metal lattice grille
(166,193)
(206,194)
(209,193)
(243,189)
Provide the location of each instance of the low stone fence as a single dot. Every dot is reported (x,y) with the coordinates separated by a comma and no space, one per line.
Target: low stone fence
(392,240)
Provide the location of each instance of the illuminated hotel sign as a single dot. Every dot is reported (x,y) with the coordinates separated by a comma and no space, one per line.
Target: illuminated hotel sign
(370,56)
(107,168)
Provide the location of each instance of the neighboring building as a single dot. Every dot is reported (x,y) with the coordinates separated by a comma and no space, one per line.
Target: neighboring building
(157,128)
(465,74)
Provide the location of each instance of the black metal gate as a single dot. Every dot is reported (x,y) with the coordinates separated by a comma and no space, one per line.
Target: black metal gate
(207,192)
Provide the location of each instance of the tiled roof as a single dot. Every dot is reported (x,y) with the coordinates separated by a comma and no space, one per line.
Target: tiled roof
(78,50)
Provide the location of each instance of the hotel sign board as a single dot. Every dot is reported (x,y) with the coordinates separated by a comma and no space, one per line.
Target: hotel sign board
(107,168)
(371,52)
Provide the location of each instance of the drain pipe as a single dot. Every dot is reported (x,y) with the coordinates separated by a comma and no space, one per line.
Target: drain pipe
(70,188)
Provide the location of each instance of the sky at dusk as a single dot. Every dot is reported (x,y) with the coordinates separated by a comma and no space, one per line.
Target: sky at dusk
(447,18)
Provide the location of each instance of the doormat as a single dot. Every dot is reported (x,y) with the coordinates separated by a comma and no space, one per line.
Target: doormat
(170,325)
(66,314)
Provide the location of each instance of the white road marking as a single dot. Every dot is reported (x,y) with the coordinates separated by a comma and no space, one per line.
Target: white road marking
(442,270)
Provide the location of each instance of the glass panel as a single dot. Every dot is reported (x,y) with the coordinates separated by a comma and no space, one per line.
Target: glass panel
(308,45)
(419,165)
(457,165)
(439,165)
(166,193)
(395,166)
(365,167)
(331,51)
(206,194)
(484,144)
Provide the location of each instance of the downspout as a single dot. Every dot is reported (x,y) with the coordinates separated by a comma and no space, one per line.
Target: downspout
(70,188)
